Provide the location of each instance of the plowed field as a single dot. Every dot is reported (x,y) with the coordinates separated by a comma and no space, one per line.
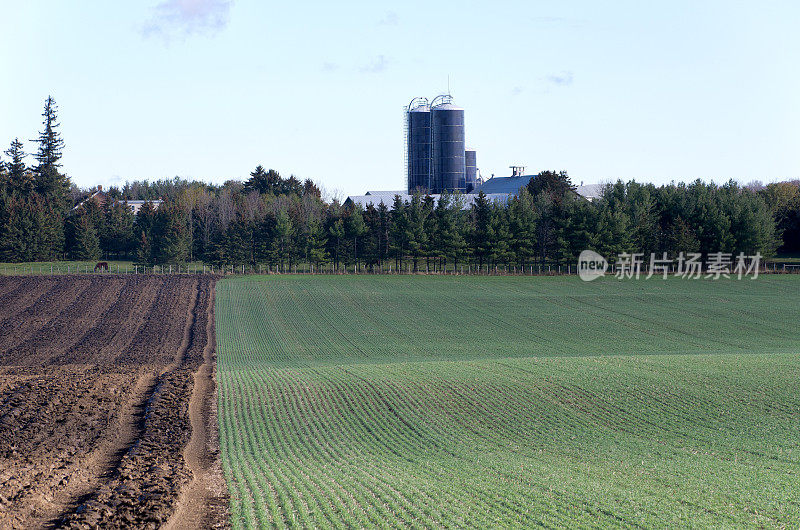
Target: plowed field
(96,382)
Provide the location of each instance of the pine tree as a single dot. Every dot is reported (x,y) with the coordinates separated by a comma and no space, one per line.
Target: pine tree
(50,183)
(522,227)
(355,229)
(417,236)
(86,243)
(399,232)
(449,237)
(117,235)
(18,180)
(499,235)
(144,254)
(336,232)
(17,230)
(315,243)
(264,182)
(384,229)
(170,235)
(481,228)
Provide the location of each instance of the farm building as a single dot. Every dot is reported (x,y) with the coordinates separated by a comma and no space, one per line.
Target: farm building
(99,197)
(511,185)
(497,189)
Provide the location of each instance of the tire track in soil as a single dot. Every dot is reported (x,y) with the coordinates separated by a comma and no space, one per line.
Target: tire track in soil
(202,503)
(86,475)
(104,463)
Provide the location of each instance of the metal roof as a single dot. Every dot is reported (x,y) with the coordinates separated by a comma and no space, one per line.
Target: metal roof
(590,191)
(504,184)
(387,197)
(512,185)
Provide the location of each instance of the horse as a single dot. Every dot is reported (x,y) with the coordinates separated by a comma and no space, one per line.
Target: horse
(101,266)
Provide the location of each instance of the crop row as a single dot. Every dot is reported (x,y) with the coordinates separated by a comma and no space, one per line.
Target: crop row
(321,426)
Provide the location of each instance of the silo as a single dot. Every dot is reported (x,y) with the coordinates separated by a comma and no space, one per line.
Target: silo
(447,122)
(471,165)
(418,147)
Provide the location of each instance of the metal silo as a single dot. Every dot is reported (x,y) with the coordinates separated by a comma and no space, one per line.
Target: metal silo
(447,123)
(471,165)
(418,147)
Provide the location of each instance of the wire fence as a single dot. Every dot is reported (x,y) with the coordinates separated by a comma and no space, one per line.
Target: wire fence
(331,269)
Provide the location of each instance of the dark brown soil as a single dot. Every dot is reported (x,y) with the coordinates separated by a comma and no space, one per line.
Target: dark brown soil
(96,381)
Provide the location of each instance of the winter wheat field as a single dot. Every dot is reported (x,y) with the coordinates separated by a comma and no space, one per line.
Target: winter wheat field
(485,402)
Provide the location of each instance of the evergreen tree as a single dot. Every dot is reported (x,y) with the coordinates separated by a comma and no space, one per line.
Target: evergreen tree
(481,228)
(117,235)
(50,183)
(418,237)
(399,231)
(499,235)
(17,179)
(85,243)
(336,232)
(144,254)
(355,228)
(170,235)
(384,228)
(264,182)
(613,235)
(315,243)
(449,237)
(557,185)
(282,242)
(522,227)
(17,231)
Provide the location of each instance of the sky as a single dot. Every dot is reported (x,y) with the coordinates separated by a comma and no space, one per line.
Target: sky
(208,89)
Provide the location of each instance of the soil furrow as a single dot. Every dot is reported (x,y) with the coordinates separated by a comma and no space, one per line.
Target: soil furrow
(98,407)
(39,315)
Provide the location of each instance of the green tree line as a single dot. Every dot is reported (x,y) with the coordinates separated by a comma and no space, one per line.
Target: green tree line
(281,222)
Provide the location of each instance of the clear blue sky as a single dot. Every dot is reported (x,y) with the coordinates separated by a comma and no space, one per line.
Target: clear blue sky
(208,89)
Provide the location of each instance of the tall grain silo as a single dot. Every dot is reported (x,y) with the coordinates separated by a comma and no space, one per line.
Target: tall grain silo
(447,125)
(471,169)
(418,146)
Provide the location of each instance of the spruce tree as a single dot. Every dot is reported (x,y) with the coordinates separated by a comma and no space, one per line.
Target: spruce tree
(337,233)
(50,183)
(354,229)
(86,243)
(315,243)
(481,227)
(144,254)
(18,180)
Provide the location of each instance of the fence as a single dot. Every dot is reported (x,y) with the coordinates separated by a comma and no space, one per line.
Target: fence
(328,268)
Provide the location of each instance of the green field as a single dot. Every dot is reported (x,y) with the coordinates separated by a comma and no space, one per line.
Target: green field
(489,401)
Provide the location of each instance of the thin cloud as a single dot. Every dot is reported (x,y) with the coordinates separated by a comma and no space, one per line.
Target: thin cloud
(377,65)
(187,17)
(562,79)
(517,90)
(329,67)
(389,19)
